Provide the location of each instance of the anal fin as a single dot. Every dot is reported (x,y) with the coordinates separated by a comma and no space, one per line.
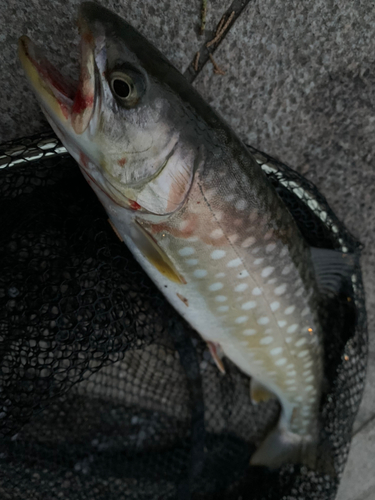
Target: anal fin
(259,393)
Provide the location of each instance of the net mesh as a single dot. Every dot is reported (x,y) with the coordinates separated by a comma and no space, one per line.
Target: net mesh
(105,393)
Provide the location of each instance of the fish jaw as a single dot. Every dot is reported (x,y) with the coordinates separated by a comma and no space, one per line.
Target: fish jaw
(68,104)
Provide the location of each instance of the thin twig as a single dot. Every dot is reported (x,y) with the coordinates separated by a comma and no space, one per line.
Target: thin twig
(221,30)
(221,23)
(203,13)
(196,61)
(217,69)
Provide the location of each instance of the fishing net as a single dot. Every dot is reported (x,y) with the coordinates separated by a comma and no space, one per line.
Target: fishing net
(105,393)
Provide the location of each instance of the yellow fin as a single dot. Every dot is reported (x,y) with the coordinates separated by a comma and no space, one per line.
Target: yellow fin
(259,392)
(155,255)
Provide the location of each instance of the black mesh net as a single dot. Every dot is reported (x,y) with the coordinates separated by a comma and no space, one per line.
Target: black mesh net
(105,393)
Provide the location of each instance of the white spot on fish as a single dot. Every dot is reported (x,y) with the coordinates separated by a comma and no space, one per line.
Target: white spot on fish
(309,388)
(257,291)
(186,251)
(280,289)
(233,238)
(248,242)
(267,271)
(249,331)
(234,263)
(274,306)
(258,261)
(229,197)
(292,373)
(281,323)
(287,269)
(290,310)
(298,398)
(256,250)
(223,308)
(284,251)
(215,286)
(191,262)
(303,354)
(288,340)
(280,362)
(241,319)
(290,382)
(309,379)
(266,340)
(217,233)
(299,292)
(183,225)
(300,342)
(241,204)
(241,287)
(270,248)
(268,235)
(263,321)
(292,328)
(217,254)
(219,275)
(308,364)
(249,305)
(276,351)
(210,193)
(200,273)
(291,389)
(242,274)
(221,298)
(305,312)
(306,373)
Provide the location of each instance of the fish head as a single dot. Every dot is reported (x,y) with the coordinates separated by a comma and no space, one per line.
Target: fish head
(124,123)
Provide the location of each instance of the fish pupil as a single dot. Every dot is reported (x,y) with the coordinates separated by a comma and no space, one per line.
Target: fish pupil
(121,88)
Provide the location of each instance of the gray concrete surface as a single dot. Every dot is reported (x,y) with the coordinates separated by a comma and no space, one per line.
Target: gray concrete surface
(299,84)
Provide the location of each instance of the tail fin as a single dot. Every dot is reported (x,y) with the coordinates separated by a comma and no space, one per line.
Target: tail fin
(282,446)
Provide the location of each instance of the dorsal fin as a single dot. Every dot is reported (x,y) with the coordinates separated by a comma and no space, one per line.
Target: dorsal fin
(332,268)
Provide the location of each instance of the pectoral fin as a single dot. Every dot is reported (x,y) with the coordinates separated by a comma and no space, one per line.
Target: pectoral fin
(258,392)
(154,254)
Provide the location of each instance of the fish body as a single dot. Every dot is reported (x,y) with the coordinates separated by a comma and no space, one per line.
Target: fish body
(198,213)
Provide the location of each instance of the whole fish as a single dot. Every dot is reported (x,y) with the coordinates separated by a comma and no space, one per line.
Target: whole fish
(199,215)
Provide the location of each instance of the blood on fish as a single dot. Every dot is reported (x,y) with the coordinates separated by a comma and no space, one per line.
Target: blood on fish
(134,205)
(122,162)
(83,159)
(81,101)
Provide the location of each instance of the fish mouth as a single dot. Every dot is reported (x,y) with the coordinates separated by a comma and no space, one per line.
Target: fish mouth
(69,103)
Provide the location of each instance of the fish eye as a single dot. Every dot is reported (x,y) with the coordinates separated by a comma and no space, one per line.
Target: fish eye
(127,86)
(121,88)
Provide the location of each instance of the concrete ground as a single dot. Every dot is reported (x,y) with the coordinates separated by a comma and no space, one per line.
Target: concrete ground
(299,84)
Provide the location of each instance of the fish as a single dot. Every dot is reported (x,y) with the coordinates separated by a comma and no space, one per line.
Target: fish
(191,203)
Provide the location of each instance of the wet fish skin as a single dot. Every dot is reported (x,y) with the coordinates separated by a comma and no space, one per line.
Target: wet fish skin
(198,213)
